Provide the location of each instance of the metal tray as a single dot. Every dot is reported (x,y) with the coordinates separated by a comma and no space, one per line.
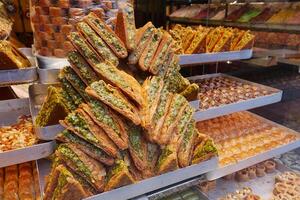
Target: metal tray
(147,185)
(262,186)
(37,95)
(229,169)
(213,112)
(195,59)
(18,76)
(48,76)
(10,110)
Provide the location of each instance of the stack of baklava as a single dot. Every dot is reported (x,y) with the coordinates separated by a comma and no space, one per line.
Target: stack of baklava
(195,40)
(119,131)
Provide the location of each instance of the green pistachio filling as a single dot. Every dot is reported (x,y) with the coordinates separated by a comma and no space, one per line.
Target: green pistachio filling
(81,126)
(86,72)
(119,166)
(190,131)
(109,37)
(77,140)
(207,148)
(164,155)
(77,99)
(84,48)
(135,139)
(110,95)
(162,105)
(98,43)
(153,89)
(80,166)
(102,114)
(62,181)
(186,117)
(177,103)
(76,81)
(130,23)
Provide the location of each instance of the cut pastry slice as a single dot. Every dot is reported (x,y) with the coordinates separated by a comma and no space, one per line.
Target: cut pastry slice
(153,152)
(71,92)
(246,42)
(136,174)
(63,182)
(127,83)
(137,146)
(187,144)
(118,176)
(205,150)
(174,114)
(150,50)
(108,121)
(224,42)
(213,38)
(110,38)
(125,25)
(143,38)
(97,43)
(75,81)
(11,57)
(112,97)
(98,154)
(152,88)
(83,126)
(160,114)
(82,68)
(191,92)
(198,44)
(237,36)
(86,167)
(160,53)
(53,109)
(167,160)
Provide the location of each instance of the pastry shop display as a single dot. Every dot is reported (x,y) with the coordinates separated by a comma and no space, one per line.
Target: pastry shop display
(52,21)
(18,135)
(286,186)
(20,182)
(120,130)
(243,135)
(11,57)
(245,193)
(217,91)
(195,40)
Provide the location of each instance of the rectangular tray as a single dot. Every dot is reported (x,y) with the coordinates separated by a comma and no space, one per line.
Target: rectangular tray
(10,110)
(238,106)
(147,185)
(195,59)
(229,169)
(262,186)
(18,76)
(37,95)
(48,76)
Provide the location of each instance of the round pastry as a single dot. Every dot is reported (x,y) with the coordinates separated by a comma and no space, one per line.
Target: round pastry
(204,187)
(244,192)
(260,170)
(280,188)
(270,166)
(229,177)
(287,177)
(242,176)
(253,197)
(252,172)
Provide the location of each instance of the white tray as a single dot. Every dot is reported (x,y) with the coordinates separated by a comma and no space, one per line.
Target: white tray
(10,110)
(18,76)
(213,112)
(229,169)
(194,59)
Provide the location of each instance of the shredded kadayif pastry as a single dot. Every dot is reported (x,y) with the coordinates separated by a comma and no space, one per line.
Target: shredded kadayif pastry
(18,135)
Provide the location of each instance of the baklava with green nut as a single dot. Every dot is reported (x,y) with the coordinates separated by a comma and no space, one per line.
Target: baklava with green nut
(112,97)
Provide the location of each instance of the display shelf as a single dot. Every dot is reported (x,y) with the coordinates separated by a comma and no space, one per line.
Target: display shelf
(48,76)
(285,28)
(10,110)
(262,186)
(196,59)
(248,104)
(18,76)
(231,168)
(148,185)
(37,95)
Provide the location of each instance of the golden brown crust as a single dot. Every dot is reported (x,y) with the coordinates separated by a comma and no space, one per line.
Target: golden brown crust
(131,114)
(121,179)
(143,38)
(91,19)
(139,158)
(122,140)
